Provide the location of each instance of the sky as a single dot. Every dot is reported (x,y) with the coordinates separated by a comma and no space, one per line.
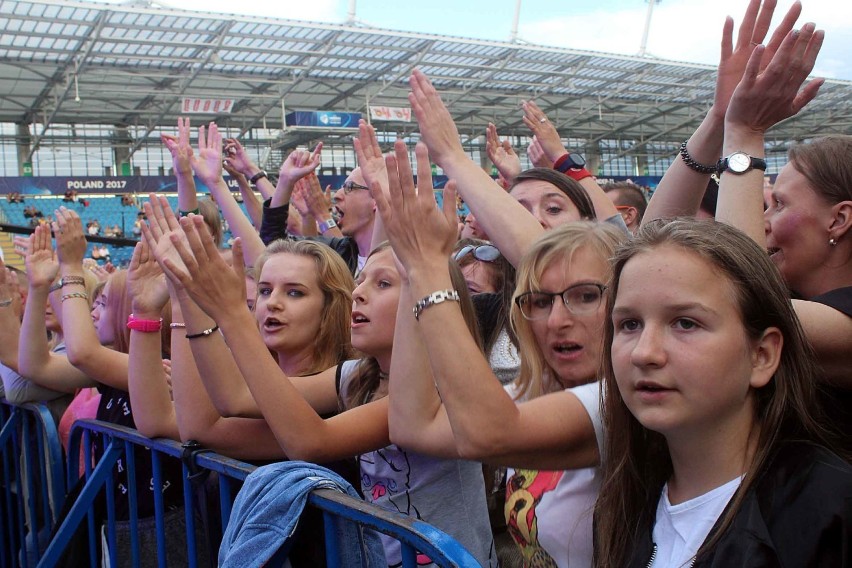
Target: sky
(681,30)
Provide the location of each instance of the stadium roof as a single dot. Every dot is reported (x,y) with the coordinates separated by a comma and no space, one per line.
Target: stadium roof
(131,64)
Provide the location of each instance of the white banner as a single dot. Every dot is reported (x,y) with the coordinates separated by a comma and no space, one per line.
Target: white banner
(206,106)
(390,113)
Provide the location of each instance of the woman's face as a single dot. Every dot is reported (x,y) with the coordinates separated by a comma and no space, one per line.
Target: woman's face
(374,304)
(102,317)
(570,342)
(680,353)
(289,303)
(797,222)
(548,204)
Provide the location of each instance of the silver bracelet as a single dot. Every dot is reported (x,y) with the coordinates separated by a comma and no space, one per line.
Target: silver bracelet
(434,298)
(6,303)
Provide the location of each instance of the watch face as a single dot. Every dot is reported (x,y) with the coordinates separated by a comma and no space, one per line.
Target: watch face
(739,162)
(576,161)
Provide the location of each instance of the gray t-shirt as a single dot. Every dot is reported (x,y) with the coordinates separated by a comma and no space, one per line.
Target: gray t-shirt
(447,494)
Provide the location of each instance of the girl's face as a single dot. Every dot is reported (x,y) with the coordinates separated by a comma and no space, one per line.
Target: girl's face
(289,303)
(571,342)
(479,277)
(374,304)
(548,204)
(681,356)
(102,317)
(797,223)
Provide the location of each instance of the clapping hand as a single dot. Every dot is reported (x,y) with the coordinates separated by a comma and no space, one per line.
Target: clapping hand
(501,154)
(41,263)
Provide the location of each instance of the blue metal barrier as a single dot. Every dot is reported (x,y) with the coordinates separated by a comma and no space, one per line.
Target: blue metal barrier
(117,441)
(32,481)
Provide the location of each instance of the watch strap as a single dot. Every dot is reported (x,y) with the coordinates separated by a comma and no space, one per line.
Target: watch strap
(755,164)
(256,177)
(326,225)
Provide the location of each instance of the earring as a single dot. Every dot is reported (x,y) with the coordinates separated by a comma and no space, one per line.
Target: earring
(832,241)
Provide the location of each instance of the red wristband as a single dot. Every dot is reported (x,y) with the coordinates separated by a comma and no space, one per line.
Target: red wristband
(147,326)
(575,174)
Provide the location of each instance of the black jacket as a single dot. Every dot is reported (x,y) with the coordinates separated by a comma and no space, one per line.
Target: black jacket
(797,515)
(273,226)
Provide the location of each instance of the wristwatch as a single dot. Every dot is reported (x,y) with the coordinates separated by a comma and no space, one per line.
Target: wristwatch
(570,161)
(326,225)
(261,174)
(740,163)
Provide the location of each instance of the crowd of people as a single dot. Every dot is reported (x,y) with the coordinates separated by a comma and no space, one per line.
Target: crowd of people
(633,383)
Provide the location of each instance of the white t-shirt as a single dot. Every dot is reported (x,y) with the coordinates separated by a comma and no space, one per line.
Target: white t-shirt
(680,529)
(549,513)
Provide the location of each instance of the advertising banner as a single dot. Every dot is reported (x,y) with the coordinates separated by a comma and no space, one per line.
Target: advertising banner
(191,105)
(396,114)
(323,119)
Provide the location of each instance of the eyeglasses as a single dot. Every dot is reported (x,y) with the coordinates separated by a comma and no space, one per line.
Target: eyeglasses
(485,253)
(349,185)
(579,299)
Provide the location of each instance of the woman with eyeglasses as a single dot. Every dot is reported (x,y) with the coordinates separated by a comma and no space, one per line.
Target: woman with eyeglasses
(558,312)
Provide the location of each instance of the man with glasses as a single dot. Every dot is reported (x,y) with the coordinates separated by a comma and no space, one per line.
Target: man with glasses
(356,213)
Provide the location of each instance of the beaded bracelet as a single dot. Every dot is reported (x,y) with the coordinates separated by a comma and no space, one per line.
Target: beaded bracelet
(74,295)
(204,333)
(692,164)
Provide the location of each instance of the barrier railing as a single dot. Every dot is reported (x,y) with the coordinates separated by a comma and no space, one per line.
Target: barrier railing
(32,481)
(415,536)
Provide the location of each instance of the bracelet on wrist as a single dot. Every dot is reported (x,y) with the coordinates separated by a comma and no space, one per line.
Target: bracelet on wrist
(692,164)
(177,325)
(204,333)
(433,299)
(143,325)
(82,295)
(195,211)
(6,303)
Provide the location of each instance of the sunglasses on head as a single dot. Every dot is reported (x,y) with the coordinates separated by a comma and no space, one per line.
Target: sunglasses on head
(485,253)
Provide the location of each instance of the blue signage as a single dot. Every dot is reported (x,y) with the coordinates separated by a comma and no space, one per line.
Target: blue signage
(323,119)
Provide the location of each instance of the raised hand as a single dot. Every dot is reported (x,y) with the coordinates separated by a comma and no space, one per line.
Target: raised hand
(10,289)
(317,200)
(70,239)
(537,156)
(501,154)
(146,283)
(179,147)
(161,225)
(419,232)
(207,164)
(543,131)
(766,97)
(369,154)
(40,260)
(237,158)
(752,32)
(299,164)
(218,288)
(437,129)
(299,198)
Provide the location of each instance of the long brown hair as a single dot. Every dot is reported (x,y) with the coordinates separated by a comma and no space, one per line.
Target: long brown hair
(367,377)
(637,462)
(333,343)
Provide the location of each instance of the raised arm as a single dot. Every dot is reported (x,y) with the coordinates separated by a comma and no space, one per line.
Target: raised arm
(237,158)
(546,135)
(766,95)
(181,151)
(10,317)
(207,165)
(150,398)
(84,350)
(372,164)
(254,208)
(683,185)
(512,228)
(35,361)
(300,431)
(485,422)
